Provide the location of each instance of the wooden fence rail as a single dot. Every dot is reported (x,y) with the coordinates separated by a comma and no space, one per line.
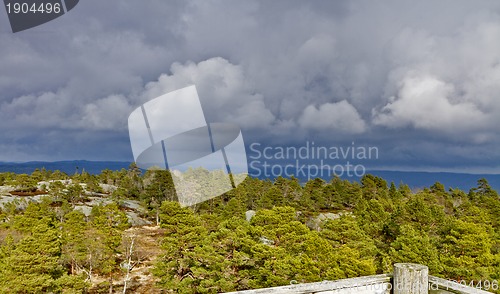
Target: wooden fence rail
(408,278)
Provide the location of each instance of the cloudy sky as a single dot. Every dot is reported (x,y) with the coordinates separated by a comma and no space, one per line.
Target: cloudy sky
(421,81)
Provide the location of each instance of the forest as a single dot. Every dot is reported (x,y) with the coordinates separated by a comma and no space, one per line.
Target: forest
(261,234)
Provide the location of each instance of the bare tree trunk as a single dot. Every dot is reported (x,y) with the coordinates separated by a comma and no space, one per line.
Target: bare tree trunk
(90,268)
(129,264)
(110,284)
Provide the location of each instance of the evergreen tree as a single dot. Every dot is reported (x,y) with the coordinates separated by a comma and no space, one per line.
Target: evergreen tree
(416,247)
(30,265)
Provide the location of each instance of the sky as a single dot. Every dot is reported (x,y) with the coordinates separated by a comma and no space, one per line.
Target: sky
(418,80)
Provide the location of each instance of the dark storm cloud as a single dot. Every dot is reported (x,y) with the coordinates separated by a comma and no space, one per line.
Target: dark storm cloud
(418,80)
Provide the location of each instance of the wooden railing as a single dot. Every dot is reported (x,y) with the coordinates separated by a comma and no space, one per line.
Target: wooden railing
(408,278)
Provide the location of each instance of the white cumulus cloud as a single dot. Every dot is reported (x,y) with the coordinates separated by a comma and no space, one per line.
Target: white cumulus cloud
(340,116)
(226,93)
(426,102)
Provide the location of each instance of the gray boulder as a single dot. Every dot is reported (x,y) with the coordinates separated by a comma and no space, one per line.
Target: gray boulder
(315,223)
(249,215)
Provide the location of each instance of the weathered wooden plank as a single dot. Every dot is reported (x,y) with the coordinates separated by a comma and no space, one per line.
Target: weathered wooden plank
(412,277)
(369,285)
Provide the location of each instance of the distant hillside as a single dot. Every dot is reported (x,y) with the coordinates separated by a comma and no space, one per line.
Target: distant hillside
(69,167)
(417,180)
(413,179)
(426,179)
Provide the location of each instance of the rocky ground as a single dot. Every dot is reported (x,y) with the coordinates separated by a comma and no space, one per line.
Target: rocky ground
(132,208)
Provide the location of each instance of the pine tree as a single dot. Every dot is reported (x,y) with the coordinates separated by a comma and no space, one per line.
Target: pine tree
(30,265)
